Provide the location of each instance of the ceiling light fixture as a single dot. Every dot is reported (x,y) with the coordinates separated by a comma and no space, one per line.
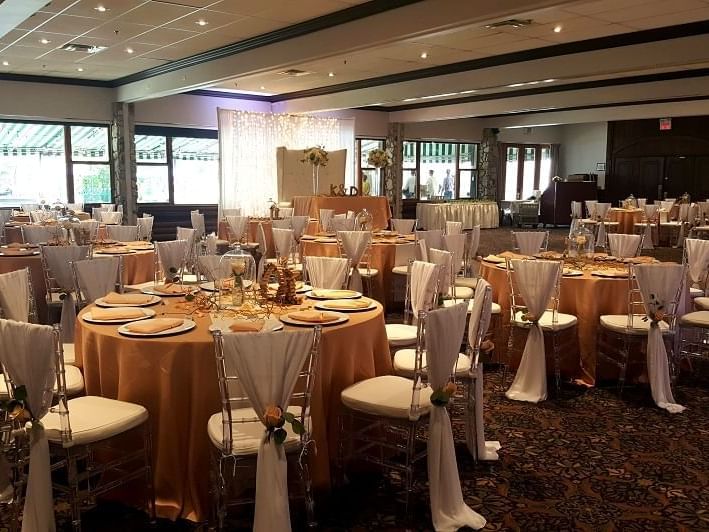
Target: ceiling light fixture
(129,50)
(5,63)
(80,69)
(262,88)
(44,41)
(557,28)
(331,74)
(201,22)
(549,80)
(100,8)
(424,55)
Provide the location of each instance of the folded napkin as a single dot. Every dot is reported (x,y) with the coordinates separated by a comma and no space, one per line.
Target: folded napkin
(313,316)
(155,325)
(494,258)
(112,298)
(349,304)
(122,313)
(334,294)
(246,326)
(172,288)
(17,252)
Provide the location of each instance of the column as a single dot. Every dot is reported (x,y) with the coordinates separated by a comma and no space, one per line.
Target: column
(393,174)
(488,164)
(125,188)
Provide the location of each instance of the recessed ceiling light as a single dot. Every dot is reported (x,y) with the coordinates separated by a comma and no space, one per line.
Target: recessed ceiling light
(263,88)
(469,91)
(549,80)
(557,28)
(5,63)
(100,8)
(129,50)
(331,74)
(409,99)
(515,85)
(201,22)
(44,41)
(80,69)
(424,55)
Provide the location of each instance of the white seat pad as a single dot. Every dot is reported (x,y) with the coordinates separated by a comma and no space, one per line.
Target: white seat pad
(400,334)
(387,395)
(94,419)
(470,282)
(696,319)
(405,359)
(462,292)
(248,435)
(74,380)
(702,303)
(400,270)
(564,321)
(69,357)
(619,323)
(368,272)
(494,307)
(696,292)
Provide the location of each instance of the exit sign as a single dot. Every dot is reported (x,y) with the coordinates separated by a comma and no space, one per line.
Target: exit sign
(665,124)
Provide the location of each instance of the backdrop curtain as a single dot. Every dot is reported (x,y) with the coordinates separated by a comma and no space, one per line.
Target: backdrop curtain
(247,149)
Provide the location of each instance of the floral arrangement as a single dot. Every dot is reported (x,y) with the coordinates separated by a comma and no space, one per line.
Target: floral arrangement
(17,407)
(379,158)
(317,156)
(656,313)
(275,418)
(442,396)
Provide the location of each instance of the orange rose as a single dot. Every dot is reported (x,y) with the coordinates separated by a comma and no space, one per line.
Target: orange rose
(450,389)
(273,417)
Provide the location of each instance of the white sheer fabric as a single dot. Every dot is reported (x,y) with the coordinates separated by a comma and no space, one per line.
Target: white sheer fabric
(237,225)
(456,245)
(97,277)
(530,242)
(299,224)
(197,220)
(283,223)
(651,218)
(624,246)
(172,255)
(642,202)
(210,243)
(432,238)
(108,207)
(39,234)
(697,259)
(283,240)
(423,285)
(145,227)
(659,284)
(326,216)
(186,233)
(247,150)
(342,224)
(57,259)
(474,241)
(15,295)
(444,260)
(454,228)
(27,352)
(591,208)
(666,205)
(444,334)
(96,213)
(602,212)
(28,207)
(230,212)
(403,226)
(262,248)
(576,210)
(112,217)
(286,212)
(268,380)
(212,267)
(354,244)
(122,233)
(536,280)
(91,226)
(327,272)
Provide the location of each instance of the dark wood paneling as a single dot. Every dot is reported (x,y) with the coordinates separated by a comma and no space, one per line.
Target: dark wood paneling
(169,217)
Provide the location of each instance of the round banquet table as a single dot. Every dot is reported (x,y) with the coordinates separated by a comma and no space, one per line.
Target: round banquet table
(175,378)
(587,297)
(13,233)
(626,218)
(223,231)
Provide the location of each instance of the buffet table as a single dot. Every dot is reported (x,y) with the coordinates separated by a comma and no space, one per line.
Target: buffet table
(175,378)
(378,207)
(435,215)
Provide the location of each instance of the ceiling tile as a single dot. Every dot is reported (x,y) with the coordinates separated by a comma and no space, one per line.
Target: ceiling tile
(245,7)
(669,19)
(34,20)
(119,31)
(289,11)
(156,14)
(249,27)
(649,9)
(589,8)
(214,19)
(591,32)
(56,6)
(55,40)
(163,36)
(70,25)
(114,8)
(21,52)
(11,36)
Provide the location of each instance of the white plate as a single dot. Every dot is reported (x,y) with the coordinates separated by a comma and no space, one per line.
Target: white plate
(101,303)
(341,318)
(152,292)
(149,313)
(354,295)
(304,288)
(208,286)
(269,325)
(503,266)
(323,305)
(572,273)
(308,237)
(187,325)
(607,274)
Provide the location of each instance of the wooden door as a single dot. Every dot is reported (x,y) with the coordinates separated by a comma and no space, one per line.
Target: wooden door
(639,176)
(679,177)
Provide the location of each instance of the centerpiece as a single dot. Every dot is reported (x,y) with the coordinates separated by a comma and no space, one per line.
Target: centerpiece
(379,158)
(241,268)
(317,157)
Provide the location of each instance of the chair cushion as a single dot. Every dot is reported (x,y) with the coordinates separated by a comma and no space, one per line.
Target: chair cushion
(462,292)
(619,323)
(400,270)
(69,357)
(248,435)
(94,419)
(470,282)
(695,292)
(400,334)
(368,272)
(74,380)
(388,395)
(494,307)
(696,319)
(701,303)
(564,321)
(405,359)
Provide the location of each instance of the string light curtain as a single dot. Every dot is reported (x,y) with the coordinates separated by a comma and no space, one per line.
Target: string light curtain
(247,147)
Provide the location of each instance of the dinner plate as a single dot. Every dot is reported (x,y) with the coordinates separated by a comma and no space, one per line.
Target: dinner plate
(324,305)
(149,313)
(125,251)
(307,237)
(494,259)
(611,274)
(572,273)
(328,233)
(101,303)
(341,318)
(23,246)
(151,291)
(326,240)
(345,294)
(187,325)
(269,325)
(208,286)
(300,288)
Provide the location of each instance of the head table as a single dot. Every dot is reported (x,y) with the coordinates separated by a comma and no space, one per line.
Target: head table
(471,213)
(175,378)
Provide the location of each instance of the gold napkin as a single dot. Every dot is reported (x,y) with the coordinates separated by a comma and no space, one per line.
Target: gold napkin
(313,316)
(333,294)
(171,288)
(246,326)
(494,258)
(155,325)
(123,313)
(348,304)
(112,298)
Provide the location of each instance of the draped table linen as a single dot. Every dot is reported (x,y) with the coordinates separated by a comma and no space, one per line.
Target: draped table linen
(377,206)
(435,215)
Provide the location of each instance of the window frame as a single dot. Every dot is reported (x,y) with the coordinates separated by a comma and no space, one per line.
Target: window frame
(521,153)
(360,168)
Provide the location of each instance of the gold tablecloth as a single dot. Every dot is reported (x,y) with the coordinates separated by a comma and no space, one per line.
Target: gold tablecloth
(138,267)
(435,215)
(626,218)
(378,207)
(175,378)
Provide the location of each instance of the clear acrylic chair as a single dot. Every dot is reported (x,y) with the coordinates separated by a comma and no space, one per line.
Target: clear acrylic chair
(326,272)
(530,242)
(94,278)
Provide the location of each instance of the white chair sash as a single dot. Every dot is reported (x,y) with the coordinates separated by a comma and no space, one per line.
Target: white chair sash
(108,207)
(403,226)
(444,333)
(286,212)
(186,233)
(237,224)
(601,213)
(443,259)
(454,228)
(456,245)
(112,217)
(210,243)
(530,242)
(536,281)
(355,244)
(91,226)
(659,283)
(591,208)
(432,238)
(145,227)
(197,220)
(642,202)
(474,241)
(651,218)
(576,210)
(284,223)
(172,255)
(327,272)
(697,259)
(423,283)
(262,248)
(283,241)
(213,268)
(624,246)
(325,217)
(122,233)
(97,277)
(15,295)
(299,224)
(27,352)
(342,224)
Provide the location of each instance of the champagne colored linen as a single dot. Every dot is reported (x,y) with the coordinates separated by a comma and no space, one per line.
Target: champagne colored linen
(119,313)
(659,282)
(246,326)
(154,325)
(444,334)
(377,206)
(176,374)
(27,351)
(349,304)
(113,298)
(624,246)
(355,243)
(536,281)
(15,295)
(169,288)
(327,272)
(332,293)
(435,215)
(96,277)
(313,316)
(529,242)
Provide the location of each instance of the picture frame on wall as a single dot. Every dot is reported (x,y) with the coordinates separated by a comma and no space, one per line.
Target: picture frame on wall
(600,167)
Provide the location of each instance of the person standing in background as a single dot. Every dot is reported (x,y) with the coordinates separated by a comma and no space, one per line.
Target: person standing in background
(366,185)
(409,190)
(431,187)
(448,185)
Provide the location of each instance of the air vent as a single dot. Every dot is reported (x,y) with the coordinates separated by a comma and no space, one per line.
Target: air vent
(510,23)
(294,73)
(85,48)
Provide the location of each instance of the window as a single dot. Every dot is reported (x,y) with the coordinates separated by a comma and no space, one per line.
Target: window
(195,167)
(370,178)
(527,168)
(411,169)
(152,169)
(54,163)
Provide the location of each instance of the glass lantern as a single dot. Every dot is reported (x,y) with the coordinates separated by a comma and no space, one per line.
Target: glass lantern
(630,202)
(581,242)
(363,220)
(239,269)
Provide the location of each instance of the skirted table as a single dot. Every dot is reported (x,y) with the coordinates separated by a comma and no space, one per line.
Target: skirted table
(435,215)
(378,207)
(626,218)
(175,378)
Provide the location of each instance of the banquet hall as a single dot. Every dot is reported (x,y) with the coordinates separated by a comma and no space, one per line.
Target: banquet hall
(354,264)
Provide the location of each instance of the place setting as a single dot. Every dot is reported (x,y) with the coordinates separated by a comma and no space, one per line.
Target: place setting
(116,315)
(157,327)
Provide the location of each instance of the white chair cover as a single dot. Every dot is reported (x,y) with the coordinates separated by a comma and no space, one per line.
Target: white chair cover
(355,244)
(186,233)
(456,245)
(480,317)
(97,277)
(76,207)
(27,352)
(284,223)
(403,226)
(697,259)
(684,210)
(286,212)
(5,216)
(29,207)
(642,202)
(172,255)
(576,210)
(536,280)
(667,205)
(15,295)
(432,238)
(39,234)
(591,208)
(197,220)
(112,217)
(268,380)
(92,226)
(442,259)
(58,259)
(474,241)
(327,272)
(325,217)
(342,224)
(212,267)
(342,216)
(530,242)
(145,227)
(108,207)
(421,251)
(423,283)
(624,246)
(231,212)
(454,228)
(283,241)
(351,214)
(444,333)
(602,212)
(96,213)
(299,224)
(210,243)
(263,249)
(660,282)
(122,233)
(237,225)
(651,217)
